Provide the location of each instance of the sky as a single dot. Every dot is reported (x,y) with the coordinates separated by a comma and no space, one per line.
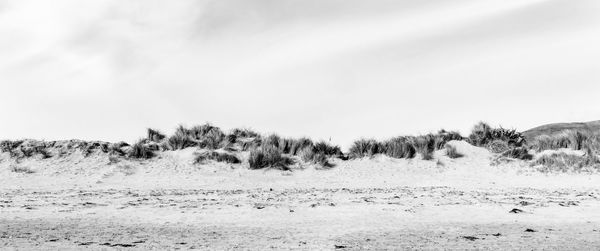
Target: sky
(336,70)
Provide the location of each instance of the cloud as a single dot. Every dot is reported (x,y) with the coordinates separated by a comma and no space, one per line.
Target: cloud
(336,68)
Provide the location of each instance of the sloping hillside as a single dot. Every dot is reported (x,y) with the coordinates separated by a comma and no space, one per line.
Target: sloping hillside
(555,128)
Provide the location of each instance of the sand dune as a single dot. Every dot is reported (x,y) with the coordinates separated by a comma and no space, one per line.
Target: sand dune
(374,203)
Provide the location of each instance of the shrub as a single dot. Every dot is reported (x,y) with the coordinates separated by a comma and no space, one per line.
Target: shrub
(115,149)
(271,141)
(155,135)
(546,142)
(399,147)
(139,150)
(452,152)
(498,146)
(443,137)
(327,149)
(518,153)
(212,139)
(575,140)
(9,145)
(482,134)
(230,139)
(365,148)
(244,133)
(311,156)
(21,169)
(285,145)
(425,145)
(299,145)
(250,144)
(263,157)
(180,141)
(567,162)
(199,131)
(578,139)
(217,156)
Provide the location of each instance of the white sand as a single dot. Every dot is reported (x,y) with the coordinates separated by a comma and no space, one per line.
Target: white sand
(379,203)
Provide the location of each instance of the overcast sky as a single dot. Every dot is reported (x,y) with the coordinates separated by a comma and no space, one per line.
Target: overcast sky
(339,69)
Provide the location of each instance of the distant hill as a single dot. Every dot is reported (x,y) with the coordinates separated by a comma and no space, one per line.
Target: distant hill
(551,129)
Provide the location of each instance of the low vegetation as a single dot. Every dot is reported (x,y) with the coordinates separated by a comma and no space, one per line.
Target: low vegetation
(216,156)
(564,162)
(21,169)
(518,153)
(452,152)
(155,135)
(405,146)
(274,151)
(483,134)
(575,140)
(267,156)
(140,150)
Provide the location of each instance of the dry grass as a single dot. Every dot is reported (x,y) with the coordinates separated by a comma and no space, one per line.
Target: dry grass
(400,147)
(498,146)
(565,162)
(425,145)
(264,157)
(310,156)
(140,150)
(155,135)
(180,141)
(483,134)
(21,169)
(366,148)
(452,152)
(518,153)
(575,140)
(216,156)
(244,133)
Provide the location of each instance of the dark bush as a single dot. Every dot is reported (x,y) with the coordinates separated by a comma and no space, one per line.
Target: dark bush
(139,150)
(263,157)
(244,133)
(366,148)
(309,155)
(327,149)
(180,141)
(217,156)
(155,135)
(399,147)
(483,134)
(518,153)
(452,152)
(425,145)
(299,145)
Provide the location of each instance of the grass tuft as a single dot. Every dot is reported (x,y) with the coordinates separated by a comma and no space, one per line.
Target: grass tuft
(400,147)
(140,150)
(518,153)
(452,152)
(267,156)
(217,156)
(155,135)
(366,148)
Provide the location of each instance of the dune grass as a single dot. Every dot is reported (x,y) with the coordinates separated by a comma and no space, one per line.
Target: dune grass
(452,152)
(564,162)
(268,156)
(140,150)
(155,135)
(216,156)
(521,153)
(575,140)
(483,134)
(399,147)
